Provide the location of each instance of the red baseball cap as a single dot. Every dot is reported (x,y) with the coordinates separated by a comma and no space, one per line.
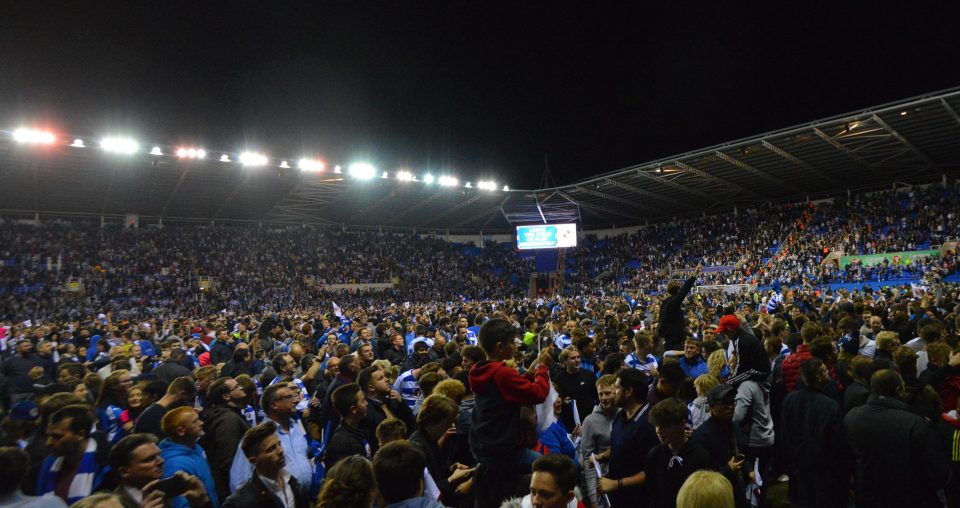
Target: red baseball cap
(728,323)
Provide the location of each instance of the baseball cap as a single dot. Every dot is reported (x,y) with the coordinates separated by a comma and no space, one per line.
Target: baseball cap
(25,410)
(728,323)
(721,393)
(849,345)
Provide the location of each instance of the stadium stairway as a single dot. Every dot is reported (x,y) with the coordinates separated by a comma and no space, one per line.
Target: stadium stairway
(546,261)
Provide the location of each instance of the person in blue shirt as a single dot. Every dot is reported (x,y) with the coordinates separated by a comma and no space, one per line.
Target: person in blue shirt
(692,361)
(279,405)
(181,452)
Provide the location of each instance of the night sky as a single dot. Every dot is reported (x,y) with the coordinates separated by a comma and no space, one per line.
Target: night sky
(470,88)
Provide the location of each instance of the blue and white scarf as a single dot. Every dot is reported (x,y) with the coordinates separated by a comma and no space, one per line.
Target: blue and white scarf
(88,477)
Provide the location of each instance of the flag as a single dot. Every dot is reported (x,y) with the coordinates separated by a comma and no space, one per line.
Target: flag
(336,310)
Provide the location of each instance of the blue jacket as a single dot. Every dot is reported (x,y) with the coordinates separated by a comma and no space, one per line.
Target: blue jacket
(693,370)
(177,457)
(555,438)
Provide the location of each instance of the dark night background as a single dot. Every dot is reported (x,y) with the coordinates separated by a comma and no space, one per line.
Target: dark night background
(474,88)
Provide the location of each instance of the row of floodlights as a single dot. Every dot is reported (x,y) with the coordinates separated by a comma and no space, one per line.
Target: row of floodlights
(358,170)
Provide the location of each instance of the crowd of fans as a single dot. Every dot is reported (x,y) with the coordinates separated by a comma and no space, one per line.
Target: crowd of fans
(157,271)
(592,401)
(450,389)
(136,272)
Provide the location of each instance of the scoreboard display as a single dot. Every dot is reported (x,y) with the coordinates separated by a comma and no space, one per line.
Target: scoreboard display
(546,236)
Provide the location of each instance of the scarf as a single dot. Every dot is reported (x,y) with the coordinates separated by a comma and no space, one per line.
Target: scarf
(88,475)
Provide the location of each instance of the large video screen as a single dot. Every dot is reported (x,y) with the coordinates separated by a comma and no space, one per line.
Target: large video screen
(547,236)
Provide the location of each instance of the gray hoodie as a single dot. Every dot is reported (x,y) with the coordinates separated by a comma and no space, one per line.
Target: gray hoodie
(596,438)
(754,399)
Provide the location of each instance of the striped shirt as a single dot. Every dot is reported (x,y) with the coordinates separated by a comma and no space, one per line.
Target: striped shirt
(428,340)
(645,364)
(408,387)
(110,422)
(251,416)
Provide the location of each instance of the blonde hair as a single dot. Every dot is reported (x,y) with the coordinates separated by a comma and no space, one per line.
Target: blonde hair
(704,383)
(715,363)
(451,389)
(567,351)
(383,365)
(705,489)
(885,339)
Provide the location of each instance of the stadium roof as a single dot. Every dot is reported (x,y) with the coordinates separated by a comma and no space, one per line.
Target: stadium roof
(909,141)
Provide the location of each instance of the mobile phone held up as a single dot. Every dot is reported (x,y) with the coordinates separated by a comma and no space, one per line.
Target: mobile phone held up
(173,486)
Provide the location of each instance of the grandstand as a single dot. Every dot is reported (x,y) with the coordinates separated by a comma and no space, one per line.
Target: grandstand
(908,141)
(755,212)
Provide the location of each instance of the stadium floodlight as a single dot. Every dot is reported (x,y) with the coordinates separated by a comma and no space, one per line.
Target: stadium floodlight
(124,146)
(253,159)
(468,185)
(156,151)
(33,136)
(487,185)
(448,181)
(428,178)
(310,165)
(362,170)
(336,169)
(224,158)
(506,188)
(385,175)
(78,143)
(191,153)
(284,164)
(405,176)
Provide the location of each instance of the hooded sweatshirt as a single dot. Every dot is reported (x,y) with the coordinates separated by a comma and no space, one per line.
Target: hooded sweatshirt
(596,438)
(500,391)
(178,457)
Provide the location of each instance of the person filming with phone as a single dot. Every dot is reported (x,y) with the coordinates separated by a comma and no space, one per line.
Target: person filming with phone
(138,467)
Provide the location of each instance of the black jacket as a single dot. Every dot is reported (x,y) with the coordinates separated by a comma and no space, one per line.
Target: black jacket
(223,430)
(752,360)
(581,387)
(436,464)
(233,369)
(376,414)
(254,494)
(16,369)
(393,356)
(723,441)
(169,371)
(813,447)
(889,441)
(346,441)
(672,322)
(855,395)
(220,352)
